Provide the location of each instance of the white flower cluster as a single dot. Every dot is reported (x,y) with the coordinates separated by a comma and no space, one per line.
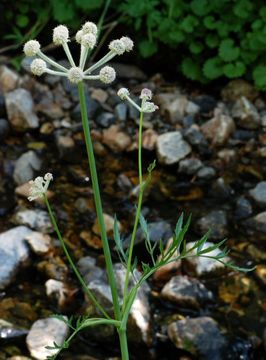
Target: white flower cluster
(87,38)
(146,94)
(39,186)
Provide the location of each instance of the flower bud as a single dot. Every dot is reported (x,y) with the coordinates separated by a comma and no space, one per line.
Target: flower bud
(123,93)
(149,107)
(60,35)
(146,94)
(117,46)
(89,28)
(79,35)
(38,67)
(128,43)
(107,74)
(88,40)
(75,75)
(48,177)
(31,47)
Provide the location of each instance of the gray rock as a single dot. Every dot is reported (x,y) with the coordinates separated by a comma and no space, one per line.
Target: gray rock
(258,194)
(89,270)
(65,145)
(13,253)
(189,166)
(216,221)
(202,266)
(39,243)
(105,119)
(45,332)
(121,111)
(171,148)
(36,219)
(195,137)
(199,336)
(206,173)
(19,106)
(257,223)
(218,129)
(243,208)
(8,79)
(25,167)
(246,114)
(9,331)
(159,230)
(186,292)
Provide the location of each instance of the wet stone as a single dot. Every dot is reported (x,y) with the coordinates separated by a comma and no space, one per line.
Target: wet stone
(186,292)
(199,336)
(36,219)
(13,253)
(25,167)
(201,266)
(4,129)
(206,173)
(206,103)
(121,111)
(21,115)
(189,166)
(216,221)
(45,332)
(105,119)
(171,148)
(246,114)
(9,331)
(258,194)
(195,137)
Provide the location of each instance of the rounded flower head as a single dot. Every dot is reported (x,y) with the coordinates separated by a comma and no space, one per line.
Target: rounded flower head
(146,94)
(78,37)
(117,46)
(60,35)
(39,186)
(38,67)
(88,40)
(75,75)
(89,28)
(123,93)
(128,43)
(107,74)
(31,48)
(149,107)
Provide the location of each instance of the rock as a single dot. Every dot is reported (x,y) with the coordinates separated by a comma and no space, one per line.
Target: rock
(66,146)
(58,291)
(218,129)
(246,114)
(4,129)
(9,331)
(216,221)
(206,173)
(93,241)
(261,273)
(159,230)
(121,111)
(235,89)
(258,194)
(101,290)
(109,225)
(116,139)
(195,137)
(257,222)
(45,332)
(149,139)
(13,253)
(100,95)
(186,292)
(171,148)
(243,135)
(189,166)
(19,106)
(36,219)
(206,104)
(25,167)
(128,71)
(8,79)
(188,121)
(39,243)
(89,270)
(200,337)
(201,266)
(105,119)
(221,190)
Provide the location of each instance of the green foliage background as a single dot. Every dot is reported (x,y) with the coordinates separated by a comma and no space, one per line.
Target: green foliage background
(211,38)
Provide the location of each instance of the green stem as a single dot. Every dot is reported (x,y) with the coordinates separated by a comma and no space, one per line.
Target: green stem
(97,199)
(141,188)
(84,286)
(123,344)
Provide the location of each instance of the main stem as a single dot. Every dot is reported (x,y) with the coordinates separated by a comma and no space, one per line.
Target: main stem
(97,199)
(130,254)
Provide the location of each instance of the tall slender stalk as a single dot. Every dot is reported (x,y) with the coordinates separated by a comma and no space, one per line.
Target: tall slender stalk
(80,278)
(97,199)
(140,197)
